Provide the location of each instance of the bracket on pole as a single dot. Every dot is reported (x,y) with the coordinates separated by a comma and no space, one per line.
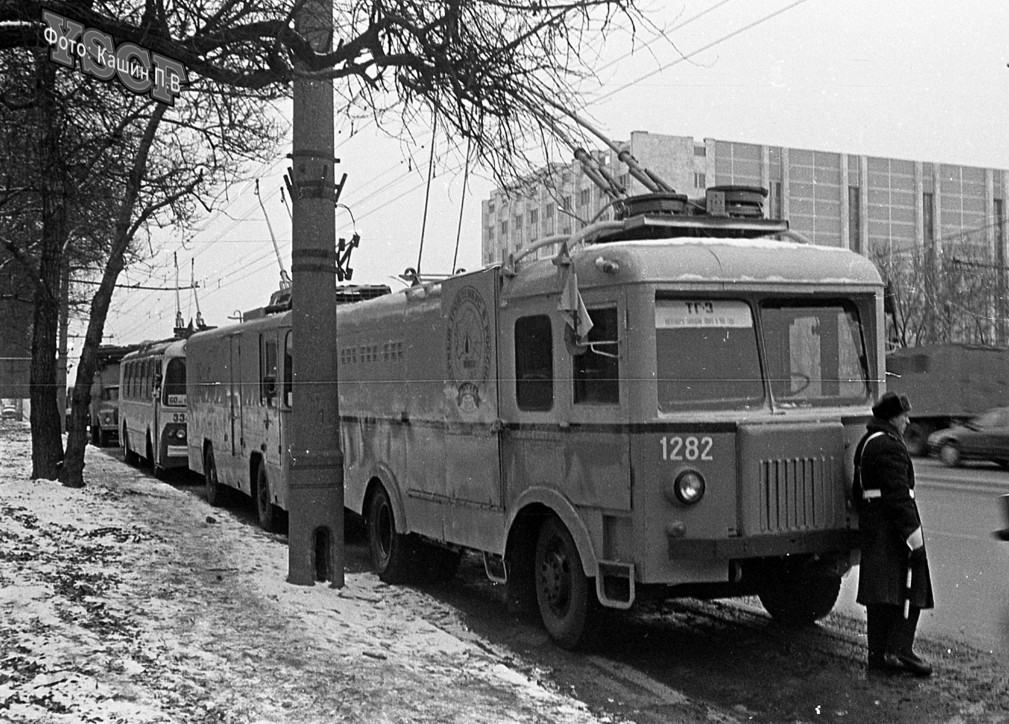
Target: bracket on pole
(343,251)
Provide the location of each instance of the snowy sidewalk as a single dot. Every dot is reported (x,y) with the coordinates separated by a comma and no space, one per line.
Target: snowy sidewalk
(132,601)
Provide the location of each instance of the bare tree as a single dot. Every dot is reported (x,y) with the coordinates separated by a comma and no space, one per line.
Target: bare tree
(494,72)
(942,295)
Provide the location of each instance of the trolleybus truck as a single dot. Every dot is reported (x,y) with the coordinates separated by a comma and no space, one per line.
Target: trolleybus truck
(665,404)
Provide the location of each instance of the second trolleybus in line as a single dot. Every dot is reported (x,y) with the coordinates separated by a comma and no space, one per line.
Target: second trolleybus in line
(665,403)
(152,405)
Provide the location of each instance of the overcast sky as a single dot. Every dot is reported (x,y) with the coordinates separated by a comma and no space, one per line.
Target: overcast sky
(920,81)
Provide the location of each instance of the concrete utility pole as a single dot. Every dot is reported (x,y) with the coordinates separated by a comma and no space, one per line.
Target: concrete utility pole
(63,360)
(315,504)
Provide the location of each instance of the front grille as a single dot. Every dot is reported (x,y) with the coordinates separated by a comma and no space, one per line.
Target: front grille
(798,494)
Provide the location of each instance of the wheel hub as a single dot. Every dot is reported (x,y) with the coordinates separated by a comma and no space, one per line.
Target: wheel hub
(555,576)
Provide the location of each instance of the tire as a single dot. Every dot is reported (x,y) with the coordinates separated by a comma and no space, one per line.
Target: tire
(392,554)
(149,460)
(129,456)
(216,493)
(96,435)
(797,598)
(269,514)
(103,438)
(916,439)
(564,594)
(949,453)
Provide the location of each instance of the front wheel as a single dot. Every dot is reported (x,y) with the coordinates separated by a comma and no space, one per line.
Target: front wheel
(393,554)
(799,597)
(950,455)
(564,594)
(129,455)
(916,439)
(269,514)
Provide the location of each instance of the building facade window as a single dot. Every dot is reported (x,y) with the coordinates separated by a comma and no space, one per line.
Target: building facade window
(1001,308)
(999,230)
(854,219)
(584,197)
(777,207)
(928,218)
(699,180)
(700,151)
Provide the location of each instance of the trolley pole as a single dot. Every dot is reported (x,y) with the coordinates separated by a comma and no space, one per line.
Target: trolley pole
(315,504)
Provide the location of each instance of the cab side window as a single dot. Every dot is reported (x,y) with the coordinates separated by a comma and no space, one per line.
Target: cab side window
(597,369)
(288,371)
(534,363)
(267,371)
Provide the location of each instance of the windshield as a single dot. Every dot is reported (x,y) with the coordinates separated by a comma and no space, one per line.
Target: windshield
(110,394)
(814,353)
(175,382)
(707,354)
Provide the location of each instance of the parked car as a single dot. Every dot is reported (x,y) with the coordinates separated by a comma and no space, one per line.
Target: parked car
(1004,533)
(984,437)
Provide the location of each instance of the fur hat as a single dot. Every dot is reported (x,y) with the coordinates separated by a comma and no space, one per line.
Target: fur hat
(890,405)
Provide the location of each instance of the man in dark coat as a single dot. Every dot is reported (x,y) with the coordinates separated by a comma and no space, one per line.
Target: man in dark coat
(891,539)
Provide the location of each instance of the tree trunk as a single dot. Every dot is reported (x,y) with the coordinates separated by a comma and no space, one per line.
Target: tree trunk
(47,441)
(72,474)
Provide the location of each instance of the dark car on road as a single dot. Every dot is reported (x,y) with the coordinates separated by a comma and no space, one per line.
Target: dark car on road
(984,437)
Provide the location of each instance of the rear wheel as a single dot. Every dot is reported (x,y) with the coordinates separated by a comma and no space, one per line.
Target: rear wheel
(949,453)
(269,514)
(564,594)
(216,493)
(392,553)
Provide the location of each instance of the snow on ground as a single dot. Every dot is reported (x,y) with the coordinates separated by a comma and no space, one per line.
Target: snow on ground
(132,601)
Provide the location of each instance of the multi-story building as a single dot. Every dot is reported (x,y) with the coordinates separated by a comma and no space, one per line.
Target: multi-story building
(836,199)
(876,206)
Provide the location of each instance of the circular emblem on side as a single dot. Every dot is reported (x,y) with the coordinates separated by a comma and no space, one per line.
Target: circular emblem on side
(467,347)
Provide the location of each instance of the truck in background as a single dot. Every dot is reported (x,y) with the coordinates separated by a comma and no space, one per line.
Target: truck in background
(946,384)
(104,407)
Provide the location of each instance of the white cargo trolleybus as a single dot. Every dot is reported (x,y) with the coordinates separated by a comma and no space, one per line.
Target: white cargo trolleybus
(667,403)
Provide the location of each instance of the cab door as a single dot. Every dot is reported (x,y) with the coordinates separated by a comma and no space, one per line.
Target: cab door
(472,469)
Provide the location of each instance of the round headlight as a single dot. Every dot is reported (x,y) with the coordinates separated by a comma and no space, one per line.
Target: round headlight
(689,487)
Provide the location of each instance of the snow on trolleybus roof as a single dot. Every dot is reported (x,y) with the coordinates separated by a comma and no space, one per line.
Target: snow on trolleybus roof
(672,240)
